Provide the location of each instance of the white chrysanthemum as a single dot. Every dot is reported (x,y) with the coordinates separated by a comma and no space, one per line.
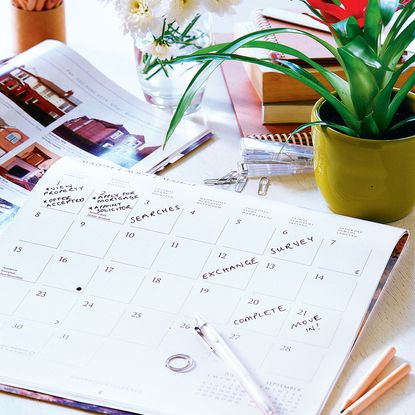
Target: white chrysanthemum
(182,10)
(139,16)
(220,7)
(159,50)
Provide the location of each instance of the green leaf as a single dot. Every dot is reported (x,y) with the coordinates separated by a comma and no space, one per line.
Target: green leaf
(369,127)
(212,48)
(301,72)
(399,98)
(190,25)
(402,123)
(209,67)
(363,83)
(382,101)
(313,10)
(195,84)
(403,17)
(339,84)
(393,53)
(361,50)
(338,127)
(373,25)
(292,70)
(347,30)
(387,10)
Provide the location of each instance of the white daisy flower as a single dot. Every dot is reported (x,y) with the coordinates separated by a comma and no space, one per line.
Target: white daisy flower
(139,16)
(159,50)
(220,7)
(182,10)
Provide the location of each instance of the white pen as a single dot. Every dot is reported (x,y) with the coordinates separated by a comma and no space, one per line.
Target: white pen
(222,350)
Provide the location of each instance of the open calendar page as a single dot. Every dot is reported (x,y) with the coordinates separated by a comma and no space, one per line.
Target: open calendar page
(103,271)
(53,103)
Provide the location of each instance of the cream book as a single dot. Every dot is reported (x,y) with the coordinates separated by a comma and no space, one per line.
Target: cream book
(275,87)
(104,270)
(287,112)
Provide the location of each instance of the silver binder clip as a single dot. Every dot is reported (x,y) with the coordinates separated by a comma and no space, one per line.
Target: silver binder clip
(263,186)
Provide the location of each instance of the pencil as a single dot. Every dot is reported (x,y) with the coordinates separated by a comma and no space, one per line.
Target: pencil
(30,5)
(378,390)
(40,4)
(51,4)
(20,4)
(370,377)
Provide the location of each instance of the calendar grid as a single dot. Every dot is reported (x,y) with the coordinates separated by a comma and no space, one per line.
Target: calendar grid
(317,252)
(132,277)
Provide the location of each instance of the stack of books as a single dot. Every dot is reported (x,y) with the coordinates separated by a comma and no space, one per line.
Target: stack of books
(284,100)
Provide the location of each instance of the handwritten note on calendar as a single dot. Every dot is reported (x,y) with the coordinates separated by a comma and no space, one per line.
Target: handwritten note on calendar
(104,270)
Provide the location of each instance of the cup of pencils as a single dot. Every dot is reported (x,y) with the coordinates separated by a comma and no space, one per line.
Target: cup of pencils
(37,20)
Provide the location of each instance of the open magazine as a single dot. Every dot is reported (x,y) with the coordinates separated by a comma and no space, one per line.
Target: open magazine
(53,103)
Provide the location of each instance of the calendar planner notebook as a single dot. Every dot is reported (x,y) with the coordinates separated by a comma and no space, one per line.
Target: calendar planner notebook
(103,270)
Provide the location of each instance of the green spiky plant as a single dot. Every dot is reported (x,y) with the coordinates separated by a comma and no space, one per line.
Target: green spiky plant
(366,101)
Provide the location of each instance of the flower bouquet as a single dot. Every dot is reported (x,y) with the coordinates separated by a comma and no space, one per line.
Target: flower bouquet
(164,29)
(363,109)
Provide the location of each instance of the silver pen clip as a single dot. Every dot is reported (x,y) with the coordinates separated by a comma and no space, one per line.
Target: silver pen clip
(199,331)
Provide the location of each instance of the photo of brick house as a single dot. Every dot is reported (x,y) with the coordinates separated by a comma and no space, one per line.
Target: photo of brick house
(112,142)
(10,137)
(27,167)
(40,98)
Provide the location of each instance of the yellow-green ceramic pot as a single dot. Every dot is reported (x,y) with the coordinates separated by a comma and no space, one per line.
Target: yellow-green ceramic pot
(364,178)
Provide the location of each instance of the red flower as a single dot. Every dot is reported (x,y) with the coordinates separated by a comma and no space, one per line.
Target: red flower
(332,13)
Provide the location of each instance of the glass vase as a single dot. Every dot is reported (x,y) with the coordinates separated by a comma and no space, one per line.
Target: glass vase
(164,86)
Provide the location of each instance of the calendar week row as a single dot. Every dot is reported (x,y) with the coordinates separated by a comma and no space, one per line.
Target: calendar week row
(179,269)
(169,297)
(185,250)
(79,338)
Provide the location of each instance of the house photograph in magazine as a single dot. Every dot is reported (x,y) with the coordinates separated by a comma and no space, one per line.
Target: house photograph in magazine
(27,167)
(39,97)
(104,139)
(10,137)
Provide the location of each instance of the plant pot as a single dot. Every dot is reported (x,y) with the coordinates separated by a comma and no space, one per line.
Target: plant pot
(365,178)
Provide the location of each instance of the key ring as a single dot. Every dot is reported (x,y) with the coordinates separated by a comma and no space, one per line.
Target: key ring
(180,357)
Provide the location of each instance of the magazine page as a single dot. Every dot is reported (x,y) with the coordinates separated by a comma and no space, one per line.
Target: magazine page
(53,103)
(96,300)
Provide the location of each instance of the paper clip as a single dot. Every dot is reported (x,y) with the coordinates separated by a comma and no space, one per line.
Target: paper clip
(229,178)
(264,183)
(241,183)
